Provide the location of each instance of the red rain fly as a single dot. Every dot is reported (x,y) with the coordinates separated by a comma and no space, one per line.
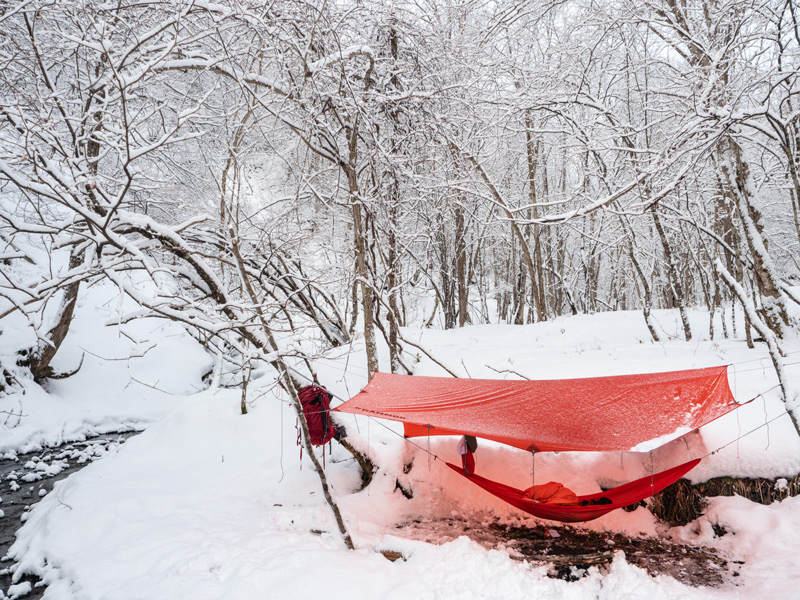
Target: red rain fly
(615,413)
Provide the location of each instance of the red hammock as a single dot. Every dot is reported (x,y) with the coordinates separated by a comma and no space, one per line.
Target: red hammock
(623,495)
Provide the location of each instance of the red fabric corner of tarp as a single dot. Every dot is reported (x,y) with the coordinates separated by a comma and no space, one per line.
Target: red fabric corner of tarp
(623,495)
(616,413)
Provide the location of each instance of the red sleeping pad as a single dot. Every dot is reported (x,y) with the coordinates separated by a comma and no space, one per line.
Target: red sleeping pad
(623,495)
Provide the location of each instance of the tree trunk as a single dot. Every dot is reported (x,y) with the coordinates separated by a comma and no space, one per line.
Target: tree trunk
(537,289)
(360,246)
(367,307)
(49,345)
(448,285)
(672,274)
(772,341)
(519,296)
(647,296)
(736,177)
(515,228)
(392,282)
(289,384)
(461,268)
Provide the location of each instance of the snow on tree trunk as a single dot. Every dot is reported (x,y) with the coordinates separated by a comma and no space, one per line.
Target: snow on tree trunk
(791,397)
(738,181)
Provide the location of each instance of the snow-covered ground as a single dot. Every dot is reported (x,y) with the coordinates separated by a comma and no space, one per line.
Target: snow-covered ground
(207,503)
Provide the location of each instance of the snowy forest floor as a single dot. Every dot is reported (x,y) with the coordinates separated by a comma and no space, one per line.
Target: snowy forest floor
(210,504)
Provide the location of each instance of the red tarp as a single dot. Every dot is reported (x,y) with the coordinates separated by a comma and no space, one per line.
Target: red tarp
(615,413)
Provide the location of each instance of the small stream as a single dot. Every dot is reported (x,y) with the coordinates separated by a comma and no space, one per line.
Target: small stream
(27,478)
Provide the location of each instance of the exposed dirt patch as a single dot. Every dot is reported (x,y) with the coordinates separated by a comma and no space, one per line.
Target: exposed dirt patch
(571,551)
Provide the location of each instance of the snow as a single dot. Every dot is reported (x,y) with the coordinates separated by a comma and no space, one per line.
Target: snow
(208,503)
(19,590)
(131,376)
(660,441)
(763,537)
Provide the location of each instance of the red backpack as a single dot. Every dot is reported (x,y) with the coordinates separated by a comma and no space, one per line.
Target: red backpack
(316,403)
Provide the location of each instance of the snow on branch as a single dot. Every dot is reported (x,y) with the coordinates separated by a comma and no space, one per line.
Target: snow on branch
(341,56)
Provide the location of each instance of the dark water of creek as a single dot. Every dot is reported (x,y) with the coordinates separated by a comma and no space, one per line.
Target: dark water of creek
(27,478)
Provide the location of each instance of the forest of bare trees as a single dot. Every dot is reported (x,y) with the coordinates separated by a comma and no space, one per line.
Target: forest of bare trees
(284,176)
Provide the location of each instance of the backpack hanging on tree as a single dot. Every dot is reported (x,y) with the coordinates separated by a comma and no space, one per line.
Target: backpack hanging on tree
(316,401)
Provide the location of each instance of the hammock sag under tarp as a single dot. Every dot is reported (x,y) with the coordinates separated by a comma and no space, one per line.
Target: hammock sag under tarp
(623,495)
(616,413)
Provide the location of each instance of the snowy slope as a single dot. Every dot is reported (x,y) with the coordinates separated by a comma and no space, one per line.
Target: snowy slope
(207,503)
(131,375)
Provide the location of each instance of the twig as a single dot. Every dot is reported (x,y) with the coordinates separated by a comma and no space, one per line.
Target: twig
(151,386)
(508,371)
